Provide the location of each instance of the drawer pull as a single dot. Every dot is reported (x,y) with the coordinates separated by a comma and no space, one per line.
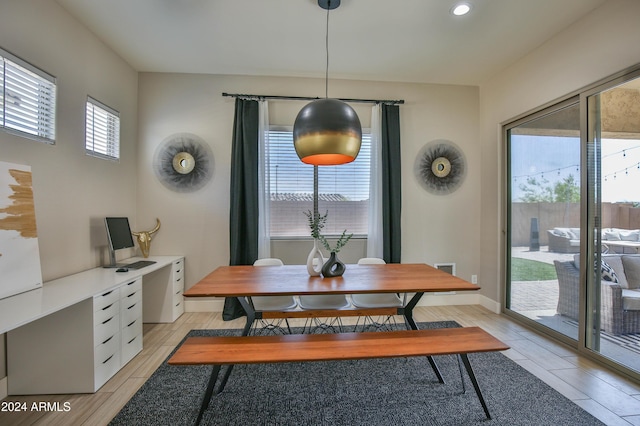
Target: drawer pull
(179,279)
(107,340)
(177,304)
(107,360)
(129,342)
(131,295)
(107,307)
(132,306)
(131,283)
(107,293)
(106,321)
(131,323)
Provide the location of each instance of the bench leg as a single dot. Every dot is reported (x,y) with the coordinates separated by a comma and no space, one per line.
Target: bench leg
(435,369)
(208,393)
(474,381)
(225,378)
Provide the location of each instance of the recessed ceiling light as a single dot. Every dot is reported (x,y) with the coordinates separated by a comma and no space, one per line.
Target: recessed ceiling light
(461,9)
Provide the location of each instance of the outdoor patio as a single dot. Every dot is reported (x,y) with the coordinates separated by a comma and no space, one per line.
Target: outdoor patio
(538,301)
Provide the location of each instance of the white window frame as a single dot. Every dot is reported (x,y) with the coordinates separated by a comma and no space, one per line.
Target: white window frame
(102,130)
(27,100)
(332,230)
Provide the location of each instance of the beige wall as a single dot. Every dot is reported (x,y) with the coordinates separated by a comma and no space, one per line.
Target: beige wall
(603,43)
(435,228)
(72,191)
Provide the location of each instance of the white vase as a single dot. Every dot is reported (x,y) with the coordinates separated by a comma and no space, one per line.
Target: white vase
(315,260)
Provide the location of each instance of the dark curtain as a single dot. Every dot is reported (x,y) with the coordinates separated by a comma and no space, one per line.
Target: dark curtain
(391,183)
(243,215)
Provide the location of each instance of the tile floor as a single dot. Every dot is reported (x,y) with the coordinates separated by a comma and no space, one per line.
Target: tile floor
(609,396)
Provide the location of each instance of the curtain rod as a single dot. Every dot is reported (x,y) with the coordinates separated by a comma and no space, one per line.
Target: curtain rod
(304,98)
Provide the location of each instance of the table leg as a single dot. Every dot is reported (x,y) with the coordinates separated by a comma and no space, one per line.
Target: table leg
(407,312)
(251,314)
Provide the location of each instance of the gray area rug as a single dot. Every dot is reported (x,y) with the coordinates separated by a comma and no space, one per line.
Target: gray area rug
(397,391)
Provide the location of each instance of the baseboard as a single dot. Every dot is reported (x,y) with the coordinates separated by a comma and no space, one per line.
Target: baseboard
(448,299)
(216,304)
(4,388)
(204,304)
(490,304)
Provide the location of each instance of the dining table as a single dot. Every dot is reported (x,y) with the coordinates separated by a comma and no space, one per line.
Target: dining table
(246,281)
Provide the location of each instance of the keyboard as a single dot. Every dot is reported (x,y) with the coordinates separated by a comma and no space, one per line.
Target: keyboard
(140,264)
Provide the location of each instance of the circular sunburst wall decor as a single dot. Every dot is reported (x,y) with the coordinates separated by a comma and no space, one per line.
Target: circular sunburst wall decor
(440,167)
(183,162)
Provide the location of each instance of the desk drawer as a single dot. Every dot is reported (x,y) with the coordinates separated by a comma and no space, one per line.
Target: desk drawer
(131,347)
(178,266)
(130,298)
(102,332)
(131,311)
(107,314)
(178,305)
(131,288)
(104,352)
(107,361)
(102,301)
(178,284)
(131,329)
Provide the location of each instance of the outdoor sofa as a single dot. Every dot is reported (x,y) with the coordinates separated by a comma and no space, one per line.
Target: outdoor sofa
(620,285)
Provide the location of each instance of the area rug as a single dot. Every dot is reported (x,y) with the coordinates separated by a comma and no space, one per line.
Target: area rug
(397,391)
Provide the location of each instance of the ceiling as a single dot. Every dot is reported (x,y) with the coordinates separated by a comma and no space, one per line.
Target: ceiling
(382,40)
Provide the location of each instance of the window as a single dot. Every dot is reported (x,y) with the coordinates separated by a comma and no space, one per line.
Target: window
(27,99)
(343,191)
(102,131)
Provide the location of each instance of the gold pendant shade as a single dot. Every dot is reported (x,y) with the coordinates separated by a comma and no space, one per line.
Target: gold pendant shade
(327,132)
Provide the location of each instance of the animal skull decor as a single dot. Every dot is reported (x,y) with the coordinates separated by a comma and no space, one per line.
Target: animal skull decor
(144,238)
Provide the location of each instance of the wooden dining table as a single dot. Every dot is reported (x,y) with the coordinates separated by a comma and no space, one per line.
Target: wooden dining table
(244,282)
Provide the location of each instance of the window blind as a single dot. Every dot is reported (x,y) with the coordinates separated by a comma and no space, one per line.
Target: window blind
(27,99)
(343,191)
(102,130)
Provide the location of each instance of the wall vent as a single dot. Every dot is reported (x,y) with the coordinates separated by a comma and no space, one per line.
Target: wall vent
(449,268)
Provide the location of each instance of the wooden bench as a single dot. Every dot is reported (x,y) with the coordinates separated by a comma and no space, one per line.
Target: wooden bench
(220,351)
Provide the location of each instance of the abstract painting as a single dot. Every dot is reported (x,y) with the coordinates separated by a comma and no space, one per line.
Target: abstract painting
(19,252)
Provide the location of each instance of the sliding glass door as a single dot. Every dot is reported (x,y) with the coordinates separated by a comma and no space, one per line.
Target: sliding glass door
(572,247)
(543,155)
(613,284)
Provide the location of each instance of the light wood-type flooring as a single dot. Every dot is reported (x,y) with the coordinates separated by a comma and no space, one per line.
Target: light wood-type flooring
(610,397)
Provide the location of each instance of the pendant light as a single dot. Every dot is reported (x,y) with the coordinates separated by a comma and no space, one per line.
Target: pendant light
(327,132)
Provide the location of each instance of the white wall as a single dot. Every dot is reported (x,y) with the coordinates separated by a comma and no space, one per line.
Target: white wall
(73,192)
(601,44)
(435,228)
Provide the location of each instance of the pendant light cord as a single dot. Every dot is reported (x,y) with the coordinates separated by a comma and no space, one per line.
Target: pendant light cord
(326,45)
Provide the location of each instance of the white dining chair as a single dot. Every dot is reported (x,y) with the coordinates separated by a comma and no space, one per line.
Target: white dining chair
(376,300)
(321,302)
(272,303)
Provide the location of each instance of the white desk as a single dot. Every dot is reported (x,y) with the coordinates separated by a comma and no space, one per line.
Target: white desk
(56,335)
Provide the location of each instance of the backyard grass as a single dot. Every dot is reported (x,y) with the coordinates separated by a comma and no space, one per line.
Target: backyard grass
(531,270)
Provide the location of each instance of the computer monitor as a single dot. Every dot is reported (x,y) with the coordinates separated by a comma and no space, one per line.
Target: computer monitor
(119,236)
